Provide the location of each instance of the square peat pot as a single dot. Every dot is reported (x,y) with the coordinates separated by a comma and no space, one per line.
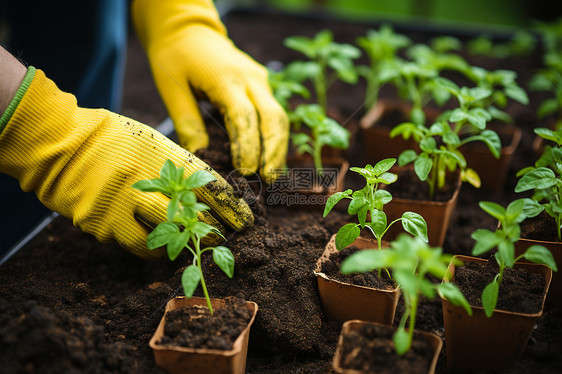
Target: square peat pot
(344,301)
(433,340)
(174,359)
(479,343)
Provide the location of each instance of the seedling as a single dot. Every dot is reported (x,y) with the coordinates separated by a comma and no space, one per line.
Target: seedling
(369,202)
(411,261)
(182,229)
(381,47)
(549,79)
(328,62)
(503,239)
(522,43)
(439,144)
(283,88)
(324,131)
(545,178)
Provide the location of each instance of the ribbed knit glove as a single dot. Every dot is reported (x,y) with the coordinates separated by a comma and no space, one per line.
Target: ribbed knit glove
(83,162)
(191,55)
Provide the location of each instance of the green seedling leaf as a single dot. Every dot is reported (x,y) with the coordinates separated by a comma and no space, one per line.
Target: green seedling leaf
(540,255)
(490,298)
(548,107)
(334,199)
(428,144)
(383,196)
(172,207)
(153,185)
(176,244)
(198,179)
(539,178)
(532,208)
(406,157)
(547,134)
(506,252)
(515,211)
(401,341)
(160,236)
(358,202)
(451,292)
(201,229)
(346,235)
(387,178)
(364,261)
(493,209)
(414,224)
(224,258)
(485,241)
(471,176)
(417,116)
(516,93)
(384,165)
(190,279)
(422,167)
(378,222)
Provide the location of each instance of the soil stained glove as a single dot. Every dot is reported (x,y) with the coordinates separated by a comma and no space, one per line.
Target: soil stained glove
(83,162)
(191,55)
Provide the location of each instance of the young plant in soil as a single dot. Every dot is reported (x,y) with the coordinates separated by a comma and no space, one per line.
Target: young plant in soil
(440,143)
(412,262)
(328,62)
(545,179)
(182,229)
(549,79)
(503,239)
(323,131)
(381,47)
(368,205)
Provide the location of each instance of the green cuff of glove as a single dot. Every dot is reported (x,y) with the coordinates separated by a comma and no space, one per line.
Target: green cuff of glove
(17,98)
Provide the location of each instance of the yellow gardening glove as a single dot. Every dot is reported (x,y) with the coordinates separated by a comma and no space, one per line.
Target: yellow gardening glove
(83,162)
(190,55)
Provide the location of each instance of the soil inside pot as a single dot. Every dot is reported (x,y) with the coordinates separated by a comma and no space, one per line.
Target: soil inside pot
(195,327)
(332,266)
(371,350)
(520,291)
(409,186)
(541,227)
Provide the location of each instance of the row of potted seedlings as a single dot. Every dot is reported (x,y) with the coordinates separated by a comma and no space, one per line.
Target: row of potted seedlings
(433,147)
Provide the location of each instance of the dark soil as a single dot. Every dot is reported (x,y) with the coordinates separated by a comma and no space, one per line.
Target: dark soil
(65,290)
(521,291)
(331,268)
(370,349)
(195,327)
(541,227)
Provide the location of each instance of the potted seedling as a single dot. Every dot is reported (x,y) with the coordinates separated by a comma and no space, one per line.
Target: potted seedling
(544,180)
(328,61)
(311,180)
(412,263)
(497,332)
(183,230)
(343,300)
(440,162)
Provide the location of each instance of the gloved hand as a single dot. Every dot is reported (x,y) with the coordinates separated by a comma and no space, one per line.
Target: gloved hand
(83,162)
(191,55)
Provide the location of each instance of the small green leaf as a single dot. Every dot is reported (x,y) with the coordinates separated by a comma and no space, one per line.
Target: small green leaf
(364,261)
(384,165)
(539,178)
(160,236)
(201,229)
(224,258)
(172,207)
(383,196)
(198,179)
(458,115)
(422,167)
(506,252)
(401,341)
(347,235)
(485,241)
(495,210)
(152,185)
(190,280)
(451,292)
(516,93)
(414,224)
(176,244)
(406,157)
(334,199)
(387,178)
(532,208)
(490,298)
(540,255)
(471,176)
(417,116)
(168,172)
(378,222)
(357,202)
(428,144)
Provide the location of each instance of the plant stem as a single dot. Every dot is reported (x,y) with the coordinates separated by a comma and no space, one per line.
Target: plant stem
(413,310)
(320,86)
(203,286)
(318,157)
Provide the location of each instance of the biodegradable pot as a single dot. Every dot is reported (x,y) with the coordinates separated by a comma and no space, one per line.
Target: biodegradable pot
(434,341)
(303,187)
(345,301)
(492,171)
(480,343)
(437,214)
(175,359)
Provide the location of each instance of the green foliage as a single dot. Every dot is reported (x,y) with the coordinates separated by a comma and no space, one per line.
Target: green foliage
(368,205)
(522,43)
(411,262)
(545,178)
(503,239)
(328,61)
(381,47)
(324,131)
(549,79)
(440,143)
(284,87)
(182,229)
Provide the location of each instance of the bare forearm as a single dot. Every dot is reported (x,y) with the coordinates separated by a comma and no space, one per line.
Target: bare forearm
(12,73)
